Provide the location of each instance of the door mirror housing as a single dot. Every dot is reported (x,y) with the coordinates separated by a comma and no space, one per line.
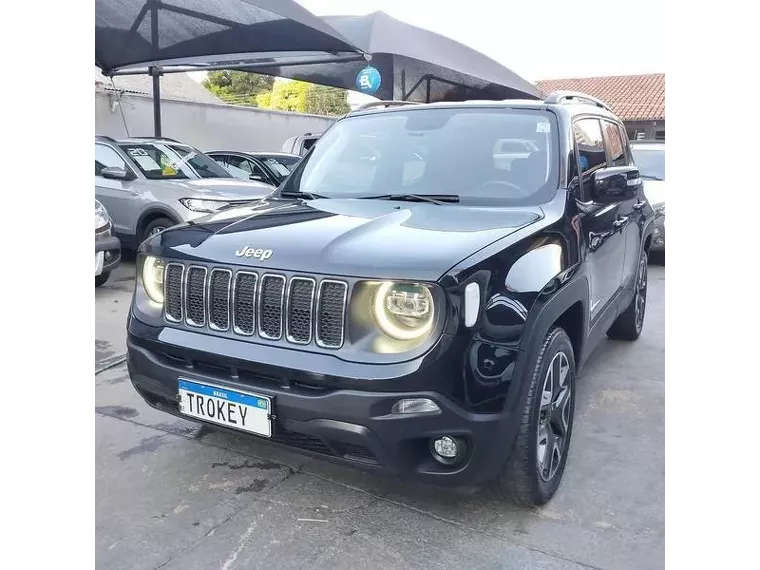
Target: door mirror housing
(116,173)
(257,177)
(615,184)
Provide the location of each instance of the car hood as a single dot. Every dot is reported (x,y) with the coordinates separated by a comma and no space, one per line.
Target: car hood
(348,237)
(221,188)
(654,190)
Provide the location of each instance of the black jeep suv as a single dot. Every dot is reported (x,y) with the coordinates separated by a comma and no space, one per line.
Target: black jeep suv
(416,298)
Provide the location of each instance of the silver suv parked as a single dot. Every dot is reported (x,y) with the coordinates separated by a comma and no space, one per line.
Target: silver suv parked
(150,184)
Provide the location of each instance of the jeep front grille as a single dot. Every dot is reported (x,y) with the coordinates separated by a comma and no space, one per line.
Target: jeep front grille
(300,309)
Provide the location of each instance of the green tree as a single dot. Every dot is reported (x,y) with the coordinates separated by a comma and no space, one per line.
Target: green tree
(324,100)
(303,97)
(238,87)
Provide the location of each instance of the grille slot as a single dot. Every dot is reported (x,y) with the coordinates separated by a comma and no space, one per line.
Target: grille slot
(173,292)
(195,296)
(219,299)
(271,297)
(244,303)
(300,309)
(331,313)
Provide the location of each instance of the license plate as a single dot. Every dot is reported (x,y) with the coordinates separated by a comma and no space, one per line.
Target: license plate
(229,408)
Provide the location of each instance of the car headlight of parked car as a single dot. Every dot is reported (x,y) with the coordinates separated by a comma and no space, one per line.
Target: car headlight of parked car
(102,219)
(204,206)
(659,209)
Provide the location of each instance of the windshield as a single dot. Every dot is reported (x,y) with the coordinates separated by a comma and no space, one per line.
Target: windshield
(483,155)
(160,161)
(650,162)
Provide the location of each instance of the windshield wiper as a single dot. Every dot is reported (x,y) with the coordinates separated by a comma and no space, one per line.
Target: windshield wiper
(305,195)
(648,177)
(432,198)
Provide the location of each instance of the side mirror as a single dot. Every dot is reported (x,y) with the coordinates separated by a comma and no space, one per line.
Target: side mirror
(615,184)
(257,177)
(115,173)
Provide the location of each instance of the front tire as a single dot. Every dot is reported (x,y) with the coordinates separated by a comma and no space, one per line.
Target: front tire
(629,323)
(156,226)
(534,469)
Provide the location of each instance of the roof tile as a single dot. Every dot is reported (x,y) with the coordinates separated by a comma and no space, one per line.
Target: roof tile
(631,97)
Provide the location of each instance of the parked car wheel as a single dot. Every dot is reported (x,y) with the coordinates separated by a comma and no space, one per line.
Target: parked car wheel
(629,323)
(534,469)
(102,278)
(156,226)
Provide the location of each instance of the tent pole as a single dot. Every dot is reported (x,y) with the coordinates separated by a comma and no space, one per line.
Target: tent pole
(156,74)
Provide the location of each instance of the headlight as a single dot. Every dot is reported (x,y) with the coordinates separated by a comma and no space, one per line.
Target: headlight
(659,209)
(153,278)
(205,206)
(403,311)
(101,216)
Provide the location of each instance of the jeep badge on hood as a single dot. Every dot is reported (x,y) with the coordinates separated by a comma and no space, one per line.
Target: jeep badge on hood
(248,251)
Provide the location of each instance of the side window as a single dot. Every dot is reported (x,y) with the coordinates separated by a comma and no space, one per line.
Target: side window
(105,156)
(591,155)
(626,145)
(256,169)
(239,162)
(220,159)
(614,144)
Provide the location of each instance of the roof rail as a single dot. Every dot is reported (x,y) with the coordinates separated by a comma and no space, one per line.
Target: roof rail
(158,139)
(391,103)
(569,96)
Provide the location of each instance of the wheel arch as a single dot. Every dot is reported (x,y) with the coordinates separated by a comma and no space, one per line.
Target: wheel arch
(150,214)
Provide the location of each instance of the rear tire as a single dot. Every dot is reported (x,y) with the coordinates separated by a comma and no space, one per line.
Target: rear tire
(533,470)
(102,278)
(629,323)
(156,226)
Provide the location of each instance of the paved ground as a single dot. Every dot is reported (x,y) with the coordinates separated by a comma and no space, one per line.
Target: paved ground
(170,495)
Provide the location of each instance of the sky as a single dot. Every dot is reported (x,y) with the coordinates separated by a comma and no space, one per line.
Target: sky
(550,39)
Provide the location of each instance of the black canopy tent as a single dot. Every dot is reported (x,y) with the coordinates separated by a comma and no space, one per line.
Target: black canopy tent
(280,38)
(149,36)
(414,64)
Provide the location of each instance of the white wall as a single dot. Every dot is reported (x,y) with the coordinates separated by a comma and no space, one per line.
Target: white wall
(205,126)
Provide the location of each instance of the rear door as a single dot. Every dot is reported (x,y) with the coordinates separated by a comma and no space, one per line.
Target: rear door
(630,212)
(606,245)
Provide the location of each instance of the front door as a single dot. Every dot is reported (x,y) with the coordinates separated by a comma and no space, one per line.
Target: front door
(116,195)
(600,223)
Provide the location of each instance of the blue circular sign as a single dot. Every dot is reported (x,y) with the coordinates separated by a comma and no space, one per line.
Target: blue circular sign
(368,80)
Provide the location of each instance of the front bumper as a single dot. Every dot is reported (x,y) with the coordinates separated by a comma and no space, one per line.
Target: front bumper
(107,254)
(349,425)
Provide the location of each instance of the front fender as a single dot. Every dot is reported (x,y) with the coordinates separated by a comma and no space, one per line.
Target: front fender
(521,287)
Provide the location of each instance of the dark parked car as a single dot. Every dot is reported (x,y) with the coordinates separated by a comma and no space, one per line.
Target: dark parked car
(407,301)
(650,160)
(269,167)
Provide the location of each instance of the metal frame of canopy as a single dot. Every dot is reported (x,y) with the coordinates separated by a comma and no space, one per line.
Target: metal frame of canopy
(160,67)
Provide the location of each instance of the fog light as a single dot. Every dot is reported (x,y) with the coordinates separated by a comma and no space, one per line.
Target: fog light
(449,450)
(415,406)
(108,256)
(659,241)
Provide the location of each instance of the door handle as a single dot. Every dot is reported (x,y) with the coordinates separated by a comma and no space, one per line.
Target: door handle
(620,222)
(639,205)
